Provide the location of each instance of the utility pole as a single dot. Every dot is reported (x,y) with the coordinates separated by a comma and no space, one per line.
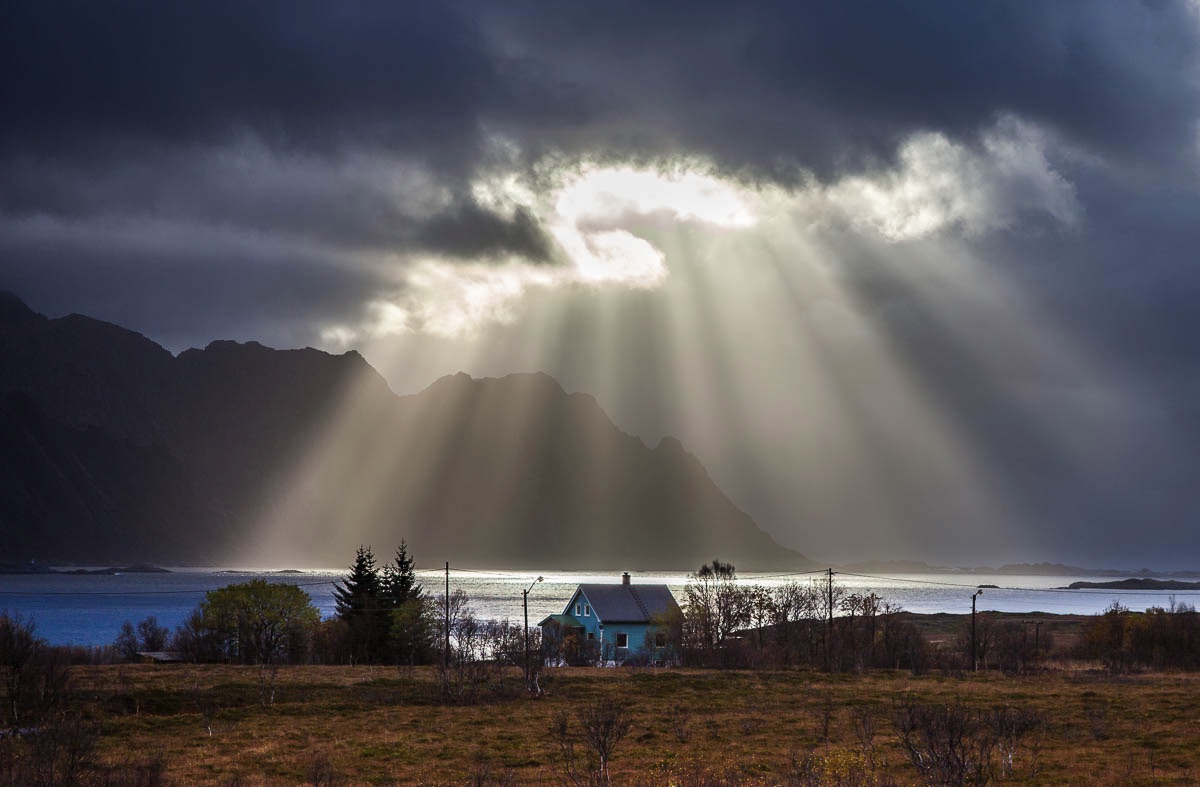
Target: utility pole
(974,651)
(525,605)
(829,624)
(446,649)
(1037,629)
(872,610)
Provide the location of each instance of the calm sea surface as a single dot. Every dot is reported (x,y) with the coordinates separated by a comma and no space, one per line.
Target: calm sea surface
(89,610)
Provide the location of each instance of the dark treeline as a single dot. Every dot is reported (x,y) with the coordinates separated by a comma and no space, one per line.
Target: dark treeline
(815,624)
(822,625)
(1159,638)
(382,617)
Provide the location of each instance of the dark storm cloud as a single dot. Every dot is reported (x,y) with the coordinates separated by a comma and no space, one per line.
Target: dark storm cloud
(359,127)
(749,83)
(469,230)
(354,205)
(121,107)
(263,169)
(831,85)
(309,74)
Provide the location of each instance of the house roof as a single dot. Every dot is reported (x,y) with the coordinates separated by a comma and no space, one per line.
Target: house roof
(564,620)
(629,603)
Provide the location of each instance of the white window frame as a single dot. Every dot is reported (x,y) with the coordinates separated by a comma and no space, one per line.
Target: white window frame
(587,610)
(577,613)
(623,637)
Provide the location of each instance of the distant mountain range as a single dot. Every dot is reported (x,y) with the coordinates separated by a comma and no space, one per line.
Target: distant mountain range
(114,450)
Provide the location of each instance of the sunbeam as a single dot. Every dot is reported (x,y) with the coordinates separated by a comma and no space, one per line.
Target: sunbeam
(837,354)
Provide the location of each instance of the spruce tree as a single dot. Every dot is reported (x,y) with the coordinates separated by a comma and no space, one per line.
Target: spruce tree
(359,591)
(410,631)
(359,601)
(400,579)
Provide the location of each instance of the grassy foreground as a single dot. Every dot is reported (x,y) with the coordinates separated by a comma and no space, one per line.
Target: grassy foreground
(350,725)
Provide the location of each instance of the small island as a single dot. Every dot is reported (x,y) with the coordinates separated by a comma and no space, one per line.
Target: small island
(132,568)
(1144,583)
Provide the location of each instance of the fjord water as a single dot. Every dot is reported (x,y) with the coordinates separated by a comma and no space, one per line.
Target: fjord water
(86,609)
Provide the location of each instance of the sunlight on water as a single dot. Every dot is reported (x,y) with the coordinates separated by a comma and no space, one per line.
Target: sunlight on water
(89,610)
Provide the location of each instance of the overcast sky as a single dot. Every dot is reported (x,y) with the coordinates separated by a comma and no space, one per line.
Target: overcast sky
(913,280)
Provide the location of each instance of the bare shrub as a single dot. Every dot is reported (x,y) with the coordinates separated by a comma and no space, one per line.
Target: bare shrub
(947,744)
(18,650)
(268,675)
(677,718)
(603,724)
(483,774)
(320,771)
(205,701)
(59,751)
(825,713)
(866,726)
(1009,726)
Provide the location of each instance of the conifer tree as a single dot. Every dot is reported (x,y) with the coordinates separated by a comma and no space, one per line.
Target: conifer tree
(399,579)
(409,633)
(359,601)
(359,591)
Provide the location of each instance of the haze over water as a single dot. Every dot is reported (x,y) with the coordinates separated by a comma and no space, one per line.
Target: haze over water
(89,609)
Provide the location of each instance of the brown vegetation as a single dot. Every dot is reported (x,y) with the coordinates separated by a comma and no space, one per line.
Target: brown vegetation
(207,724)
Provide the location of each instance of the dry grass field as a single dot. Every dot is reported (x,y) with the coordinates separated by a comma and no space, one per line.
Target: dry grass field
(375,725)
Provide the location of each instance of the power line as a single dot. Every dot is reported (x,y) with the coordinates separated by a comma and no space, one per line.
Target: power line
(906,579)
(789,574)
(439,571)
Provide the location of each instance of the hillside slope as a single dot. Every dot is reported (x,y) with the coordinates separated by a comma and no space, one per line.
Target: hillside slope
(239,453)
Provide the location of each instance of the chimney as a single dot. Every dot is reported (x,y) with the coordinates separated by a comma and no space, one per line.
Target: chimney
(625,578)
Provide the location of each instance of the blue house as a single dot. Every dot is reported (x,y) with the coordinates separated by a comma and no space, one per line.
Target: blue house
(612,624)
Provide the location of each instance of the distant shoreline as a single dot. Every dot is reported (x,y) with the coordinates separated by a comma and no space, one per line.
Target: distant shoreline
(1144,583)
(133,568)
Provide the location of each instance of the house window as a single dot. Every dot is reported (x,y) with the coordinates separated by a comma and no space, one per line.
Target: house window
(586,610)
(622,640)
(591,636)
(577,612)
(660,639)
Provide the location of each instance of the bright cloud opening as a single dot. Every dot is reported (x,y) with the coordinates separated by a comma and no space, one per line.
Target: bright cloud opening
(609,193)
(586,213)
(590,211)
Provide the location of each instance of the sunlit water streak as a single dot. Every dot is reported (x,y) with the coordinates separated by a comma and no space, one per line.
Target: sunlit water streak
(89,610)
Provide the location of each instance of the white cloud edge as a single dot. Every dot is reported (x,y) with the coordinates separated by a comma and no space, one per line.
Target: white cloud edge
(938,186)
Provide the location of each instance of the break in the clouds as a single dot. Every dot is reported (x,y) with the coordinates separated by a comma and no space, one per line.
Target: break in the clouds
(960,232)
(364,131)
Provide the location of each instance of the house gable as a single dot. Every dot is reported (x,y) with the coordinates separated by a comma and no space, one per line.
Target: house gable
(618,620)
